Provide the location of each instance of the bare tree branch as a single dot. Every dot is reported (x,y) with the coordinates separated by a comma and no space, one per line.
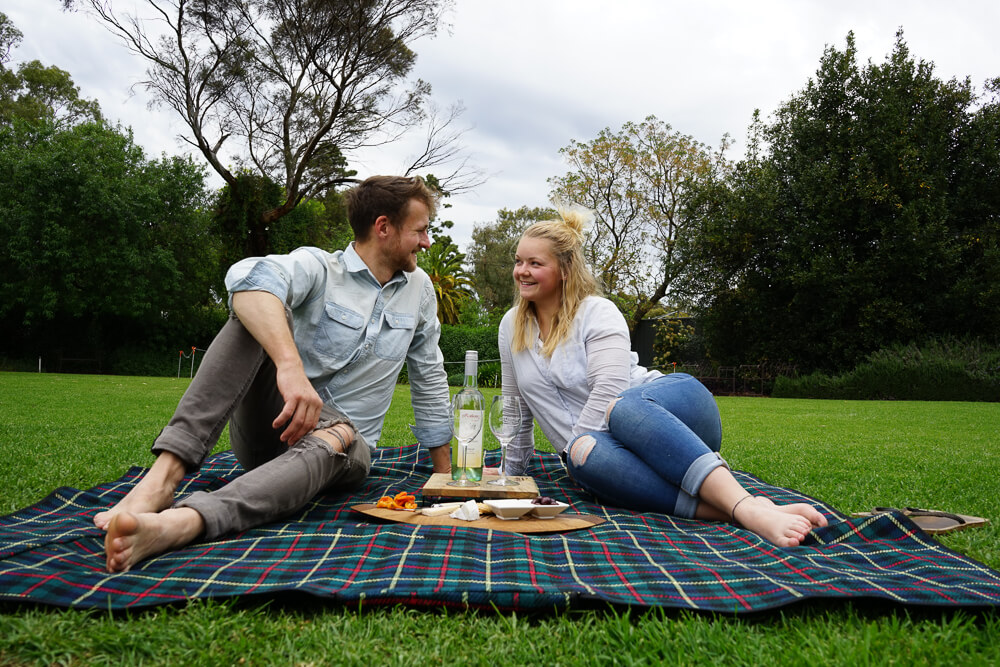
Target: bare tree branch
(290,88)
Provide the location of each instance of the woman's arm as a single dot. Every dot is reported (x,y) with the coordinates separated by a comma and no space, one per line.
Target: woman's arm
(609,358)
(523,446)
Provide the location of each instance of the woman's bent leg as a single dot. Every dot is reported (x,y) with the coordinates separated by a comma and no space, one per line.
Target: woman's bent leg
(688,400)
(673,426)
(666,443)
(602,466)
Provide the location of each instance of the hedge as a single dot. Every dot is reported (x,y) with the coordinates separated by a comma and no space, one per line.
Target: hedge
(939,370)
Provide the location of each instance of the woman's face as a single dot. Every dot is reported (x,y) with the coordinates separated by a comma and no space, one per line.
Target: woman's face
(536,271)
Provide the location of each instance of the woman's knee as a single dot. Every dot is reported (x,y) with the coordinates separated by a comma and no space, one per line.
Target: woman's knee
(580,449)
(611,406)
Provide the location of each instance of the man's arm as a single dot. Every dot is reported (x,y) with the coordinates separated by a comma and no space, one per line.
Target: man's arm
(263,314)
(429,393)
(441,457)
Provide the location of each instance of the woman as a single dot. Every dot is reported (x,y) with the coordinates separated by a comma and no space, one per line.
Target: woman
(633,437)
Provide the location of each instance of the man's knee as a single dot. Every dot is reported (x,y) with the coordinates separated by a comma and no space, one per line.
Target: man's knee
(580,449)
(338,436)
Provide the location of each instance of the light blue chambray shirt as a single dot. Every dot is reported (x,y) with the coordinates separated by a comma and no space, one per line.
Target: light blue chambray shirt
(354,334)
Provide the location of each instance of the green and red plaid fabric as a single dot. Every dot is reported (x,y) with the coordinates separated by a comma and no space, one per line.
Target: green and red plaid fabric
(52,554)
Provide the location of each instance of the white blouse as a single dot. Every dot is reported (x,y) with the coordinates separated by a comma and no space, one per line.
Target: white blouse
(569,393)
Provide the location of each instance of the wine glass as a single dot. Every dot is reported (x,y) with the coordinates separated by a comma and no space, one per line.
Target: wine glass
(467,422)
(505,422)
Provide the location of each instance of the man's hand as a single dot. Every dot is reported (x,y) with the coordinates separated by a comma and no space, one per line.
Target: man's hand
(263,314)
(302,404)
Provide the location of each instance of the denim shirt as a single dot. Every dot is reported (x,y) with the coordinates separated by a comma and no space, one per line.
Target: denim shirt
(354,334)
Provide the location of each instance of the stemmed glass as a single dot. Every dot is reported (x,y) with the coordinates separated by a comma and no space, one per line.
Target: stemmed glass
(505,422)
(467,422)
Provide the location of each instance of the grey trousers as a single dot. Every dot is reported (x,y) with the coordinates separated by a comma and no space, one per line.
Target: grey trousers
(235,384)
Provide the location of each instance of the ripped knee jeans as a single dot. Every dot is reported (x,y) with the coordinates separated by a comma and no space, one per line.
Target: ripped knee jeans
(662,441)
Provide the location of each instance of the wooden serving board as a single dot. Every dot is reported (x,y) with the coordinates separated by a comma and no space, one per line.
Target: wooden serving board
(558,524)
(437,487)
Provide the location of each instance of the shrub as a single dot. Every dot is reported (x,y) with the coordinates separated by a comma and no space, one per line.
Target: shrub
(938,370)
(455,340)
(158,362)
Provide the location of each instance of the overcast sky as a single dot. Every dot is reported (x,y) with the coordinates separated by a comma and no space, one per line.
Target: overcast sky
(535,74)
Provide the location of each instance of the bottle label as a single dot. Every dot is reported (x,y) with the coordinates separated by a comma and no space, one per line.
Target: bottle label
(471,421)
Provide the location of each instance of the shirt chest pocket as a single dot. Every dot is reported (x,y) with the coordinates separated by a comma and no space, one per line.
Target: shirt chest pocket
(338,335)
(568,368)
(395,336)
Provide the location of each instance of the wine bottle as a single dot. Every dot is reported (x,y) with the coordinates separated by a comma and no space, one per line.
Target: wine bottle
(471,406)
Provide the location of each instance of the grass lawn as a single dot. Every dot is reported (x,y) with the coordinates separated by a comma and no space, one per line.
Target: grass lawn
(77,430)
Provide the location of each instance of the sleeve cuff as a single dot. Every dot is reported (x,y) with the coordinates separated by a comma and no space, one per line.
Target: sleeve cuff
(431,436)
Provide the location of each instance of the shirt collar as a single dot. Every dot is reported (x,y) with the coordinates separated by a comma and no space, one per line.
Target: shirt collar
(354,264)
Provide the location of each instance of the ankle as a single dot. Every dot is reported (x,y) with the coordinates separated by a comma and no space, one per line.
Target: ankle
(732,512)
(167,470)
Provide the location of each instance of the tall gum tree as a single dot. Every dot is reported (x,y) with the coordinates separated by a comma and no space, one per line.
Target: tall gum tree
(286,90)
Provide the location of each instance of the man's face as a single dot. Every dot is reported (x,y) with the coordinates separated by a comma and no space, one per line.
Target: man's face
(409,238)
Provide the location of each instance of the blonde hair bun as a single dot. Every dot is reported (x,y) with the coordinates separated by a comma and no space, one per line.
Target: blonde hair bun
(578,218)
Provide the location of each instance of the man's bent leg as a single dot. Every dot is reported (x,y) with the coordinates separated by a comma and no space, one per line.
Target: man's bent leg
(227,372)
(284,484)
(228,369)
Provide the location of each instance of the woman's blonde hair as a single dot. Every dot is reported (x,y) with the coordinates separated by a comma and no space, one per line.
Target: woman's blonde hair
(565,237)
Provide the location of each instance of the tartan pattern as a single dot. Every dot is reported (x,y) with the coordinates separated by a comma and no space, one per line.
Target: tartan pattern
(52,554)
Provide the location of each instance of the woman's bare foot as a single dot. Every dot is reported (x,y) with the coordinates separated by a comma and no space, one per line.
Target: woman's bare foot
(132,538)
(154,492)
(777,526)
(802,509)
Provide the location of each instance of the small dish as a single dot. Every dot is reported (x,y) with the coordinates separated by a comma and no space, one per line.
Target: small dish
(509,509)
(547,511)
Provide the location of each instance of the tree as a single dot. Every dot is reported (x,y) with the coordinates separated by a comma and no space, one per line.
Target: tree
(837,235)
(443,263)
(491,254)
(288,88)
(637,181)
(34,92)
(101,246)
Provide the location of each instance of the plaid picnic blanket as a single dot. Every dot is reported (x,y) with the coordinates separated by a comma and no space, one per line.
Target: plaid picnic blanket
(51,553)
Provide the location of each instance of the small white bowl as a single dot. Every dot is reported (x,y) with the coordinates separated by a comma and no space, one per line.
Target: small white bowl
(547,511)
(509,508)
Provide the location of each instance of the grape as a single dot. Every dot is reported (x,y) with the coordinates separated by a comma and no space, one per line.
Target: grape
(544,500)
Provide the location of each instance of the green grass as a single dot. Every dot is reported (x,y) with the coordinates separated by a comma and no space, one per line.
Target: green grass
(74,430)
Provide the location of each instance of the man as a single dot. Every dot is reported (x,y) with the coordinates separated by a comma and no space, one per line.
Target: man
(304,373)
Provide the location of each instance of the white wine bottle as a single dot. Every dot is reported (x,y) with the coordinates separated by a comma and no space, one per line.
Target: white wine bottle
(471,406)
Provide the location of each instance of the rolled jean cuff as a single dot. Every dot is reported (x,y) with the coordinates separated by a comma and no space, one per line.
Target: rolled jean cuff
(185,446)
(699,470)
(686,505)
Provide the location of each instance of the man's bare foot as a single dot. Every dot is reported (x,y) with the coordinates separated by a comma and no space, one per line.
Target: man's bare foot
(132,538)
(146,496)
(779,527)
(154,492)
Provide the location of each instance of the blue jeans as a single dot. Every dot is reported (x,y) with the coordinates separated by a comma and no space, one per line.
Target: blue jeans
(663,440)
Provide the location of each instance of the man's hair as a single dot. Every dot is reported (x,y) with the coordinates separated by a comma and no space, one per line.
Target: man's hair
(385,195)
